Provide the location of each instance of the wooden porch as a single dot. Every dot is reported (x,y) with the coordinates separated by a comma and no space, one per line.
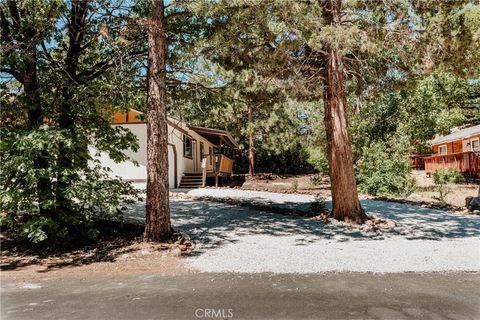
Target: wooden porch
(465,162)
(213,166)
(222,167)
(417,161)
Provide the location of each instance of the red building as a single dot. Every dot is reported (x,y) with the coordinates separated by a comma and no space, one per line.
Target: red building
(459,150)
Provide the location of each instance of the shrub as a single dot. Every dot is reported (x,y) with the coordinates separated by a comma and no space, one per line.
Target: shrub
(293,160)
(295,185)
(319,205)
(442,177)
(316,180)
(384,169)
(318,159)
(42,214)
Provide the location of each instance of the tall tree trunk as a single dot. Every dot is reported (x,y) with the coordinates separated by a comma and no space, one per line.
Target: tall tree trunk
(346,205)
(35,120)
(26,74)
(66,119)
(251,143)
(158,225)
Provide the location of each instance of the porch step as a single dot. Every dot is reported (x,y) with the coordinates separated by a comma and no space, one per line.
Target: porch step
(191,181)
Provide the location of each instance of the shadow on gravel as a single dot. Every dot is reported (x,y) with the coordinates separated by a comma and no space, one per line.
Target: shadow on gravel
(212,225)
(216,224)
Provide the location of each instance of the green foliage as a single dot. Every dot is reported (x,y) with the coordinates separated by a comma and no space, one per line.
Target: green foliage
(294,160)
(52,184)
(447,175)
(91,191)
(316,180)
(295,185)
(443,177)
(33,230)
(384,168)
(437,105)
(318,159)
(453,26)
(433,105)
(406,65)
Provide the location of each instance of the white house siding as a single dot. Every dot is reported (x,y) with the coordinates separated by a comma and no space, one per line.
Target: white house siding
(171,168)
(176,137)
(125,170)
(128,171)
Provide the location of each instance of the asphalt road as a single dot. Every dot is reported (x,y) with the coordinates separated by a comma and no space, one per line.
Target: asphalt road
(246,296)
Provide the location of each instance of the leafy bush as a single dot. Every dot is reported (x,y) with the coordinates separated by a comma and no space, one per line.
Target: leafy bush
(42,213)
(384,169)
(443,177)
(295,185)
(316,180)
(294,160)
(318,159)
(319,205)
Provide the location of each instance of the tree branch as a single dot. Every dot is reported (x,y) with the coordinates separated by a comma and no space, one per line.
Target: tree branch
(14,73)
(177,14)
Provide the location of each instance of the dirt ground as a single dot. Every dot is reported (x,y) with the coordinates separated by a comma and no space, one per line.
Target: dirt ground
(317,184)
(106,258)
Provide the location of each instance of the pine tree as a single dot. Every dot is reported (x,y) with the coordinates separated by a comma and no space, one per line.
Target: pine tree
(346,205)
(74,63)
(158,225)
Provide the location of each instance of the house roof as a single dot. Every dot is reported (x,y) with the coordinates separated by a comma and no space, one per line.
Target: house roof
(457,135)
(215,136)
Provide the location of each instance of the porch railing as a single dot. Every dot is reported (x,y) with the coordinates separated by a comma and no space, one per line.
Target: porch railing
(468,162)
(215,165)
(225,164)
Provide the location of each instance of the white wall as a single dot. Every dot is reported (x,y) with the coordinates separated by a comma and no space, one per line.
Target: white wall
(175,137)
(128,171)
(171,168)
(125,170)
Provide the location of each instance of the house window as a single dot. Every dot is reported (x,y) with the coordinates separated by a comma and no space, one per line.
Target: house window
(187,146)
(442,149)
(475,145)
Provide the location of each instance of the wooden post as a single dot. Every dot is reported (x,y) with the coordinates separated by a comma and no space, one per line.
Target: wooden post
(204,171)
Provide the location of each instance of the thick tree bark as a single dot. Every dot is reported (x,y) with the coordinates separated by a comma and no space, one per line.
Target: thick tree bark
(158,227)
(346,205)
(66,119)
(26,74)
(251,144)
(35,120)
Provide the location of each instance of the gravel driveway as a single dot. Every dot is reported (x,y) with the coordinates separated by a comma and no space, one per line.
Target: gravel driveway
(234,238)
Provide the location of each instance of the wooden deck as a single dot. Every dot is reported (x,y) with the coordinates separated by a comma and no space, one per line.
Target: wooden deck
(222,167)
(417,161)
(213,166)
(465,162)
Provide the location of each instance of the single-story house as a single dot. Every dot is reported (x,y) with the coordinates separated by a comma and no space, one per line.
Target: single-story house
(459,150)
(194,153)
